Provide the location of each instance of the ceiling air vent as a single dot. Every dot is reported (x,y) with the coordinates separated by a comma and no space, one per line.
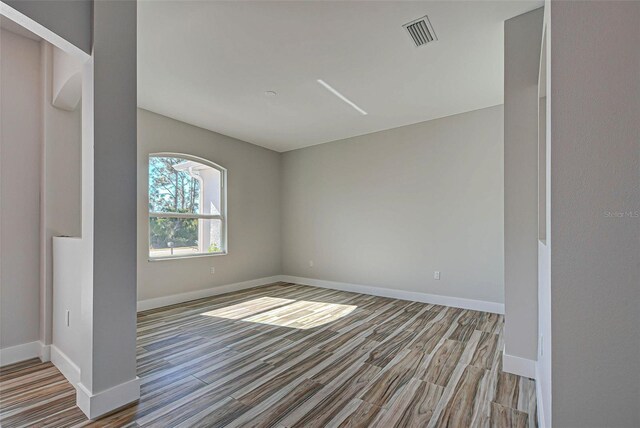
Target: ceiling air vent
(421,31)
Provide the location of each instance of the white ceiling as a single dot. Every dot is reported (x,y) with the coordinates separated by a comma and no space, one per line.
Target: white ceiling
(209,63)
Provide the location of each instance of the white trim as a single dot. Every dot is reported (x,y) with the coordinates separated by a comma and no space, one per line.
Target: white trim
(66,366)
(96,405)
(539,401)
(186,215)
(185,256)
(25,351)
(518,365)
(42,31)
(456,302)
(45,352)
(159,302)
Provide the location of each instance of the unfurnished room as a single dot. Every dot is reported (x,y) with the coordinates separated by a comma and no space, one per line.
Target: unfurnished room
(320,213)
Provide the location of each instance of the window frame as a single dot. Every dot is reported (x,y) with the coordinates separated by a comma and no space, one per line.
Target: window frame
(223,208)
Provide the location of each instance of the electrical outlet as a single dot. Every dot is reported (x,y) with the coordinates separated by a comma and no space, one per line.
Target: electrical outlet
(67,317)
(436,275)
(212,270)
(310,263)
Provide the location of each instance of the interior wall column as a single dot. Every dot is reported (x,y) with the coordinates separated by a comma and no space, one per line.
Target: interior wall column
(110,381)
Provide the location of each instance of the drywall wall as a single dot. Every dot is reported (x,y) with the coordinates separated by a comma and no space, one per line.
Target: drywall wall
(70,19)
(390,208)
(522,38)
(595,213)
(61,184)
(20,115)
(66,86)
(108,365)
(545,348)
(253,209)
(107,269)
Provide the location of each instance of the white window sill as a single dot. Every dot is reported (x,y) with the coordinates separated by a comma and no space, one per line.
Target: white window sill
(186,256)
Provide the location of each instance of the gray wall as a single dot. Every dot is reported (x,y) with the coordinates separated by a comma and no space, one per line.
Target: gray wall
(595,170)
(523,40)
(390,208)
(70,19)
(253,175)
(20,142)
(61,186)
(544,362)
(113,305)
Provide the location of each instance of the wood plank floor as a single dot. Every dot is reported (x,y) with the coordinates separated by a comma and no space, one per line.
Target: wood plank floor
(287,355)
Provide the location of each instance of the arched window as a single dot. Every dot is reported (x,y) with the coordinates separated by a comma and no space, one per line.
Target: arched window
(187,206)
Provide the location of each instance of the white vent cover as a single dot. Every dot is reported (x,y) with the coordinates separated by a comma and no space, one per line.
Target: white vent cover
(421,31)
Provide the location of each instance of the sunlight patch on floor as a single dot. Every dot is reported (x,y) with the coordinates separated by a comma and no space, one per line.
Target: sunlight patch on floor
(244,309)
(301,314)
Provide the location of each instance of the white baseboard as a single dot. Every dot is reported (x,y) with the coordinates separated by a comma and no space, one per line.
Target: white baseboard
(45,353)
(539,401)
(25,351)
(456,302)
(96,405)
(159,302)
(518,365)
(66,366)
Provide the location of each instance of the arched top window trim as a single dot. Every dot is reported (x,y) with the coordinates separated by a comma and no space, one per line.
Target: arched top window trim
(188,157)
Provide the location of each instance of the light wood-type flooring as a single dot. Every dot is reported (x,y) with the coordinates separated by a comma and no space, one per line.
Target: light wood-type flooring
(288,355)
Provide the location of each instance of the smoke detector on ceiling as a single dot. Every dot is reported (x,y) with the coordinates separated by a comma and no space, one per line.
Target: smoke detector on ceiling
(421,31)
